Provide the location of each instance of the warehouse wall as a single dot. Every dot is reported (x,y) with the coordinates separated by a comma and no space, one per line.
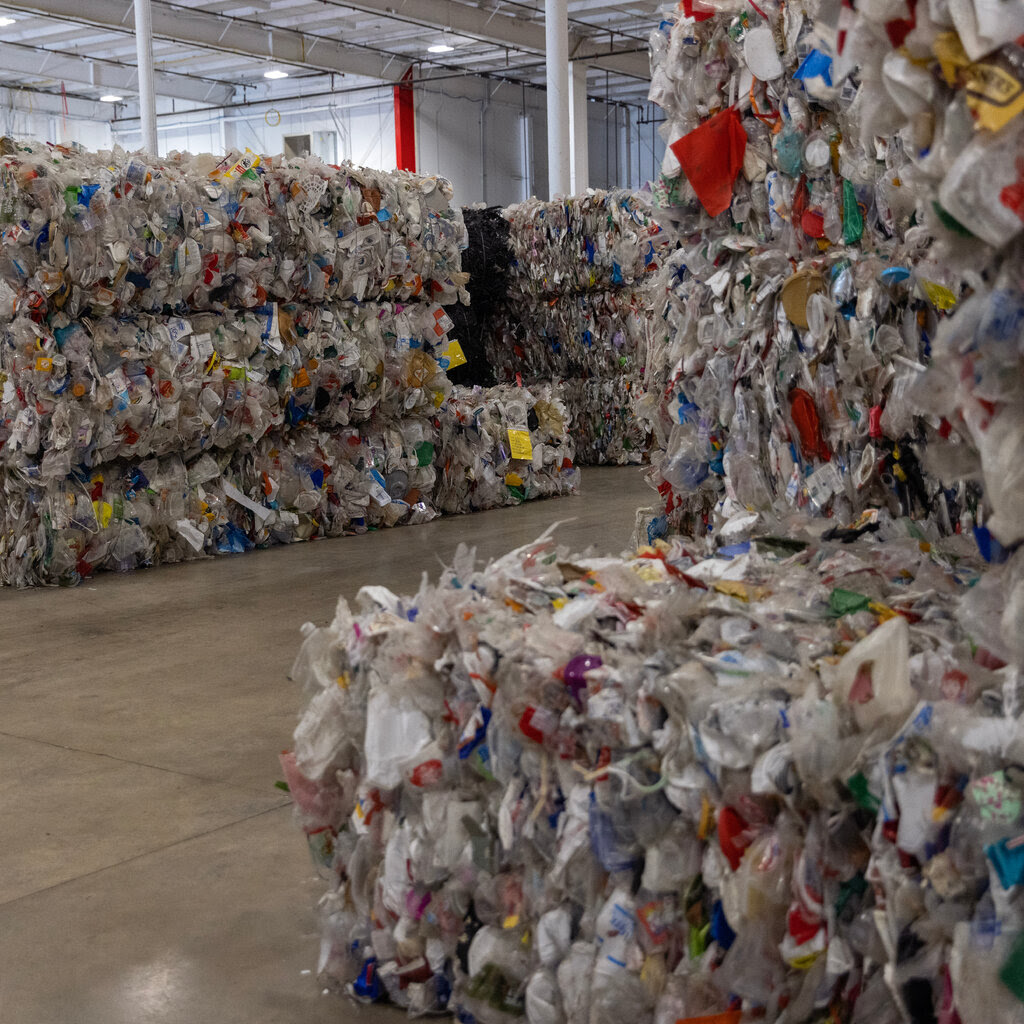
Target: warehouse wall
(21,118)
(470,130)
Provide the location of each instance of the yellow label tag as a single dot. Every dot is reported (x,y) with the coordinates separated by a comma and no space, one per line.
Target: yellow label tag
(940,297)
(455,356)
(438,399)
(246,163)
(994,94)
(44,365)
(512,921)
(344,681)
(301,379)
(520,443)
(513,480)
(103,512)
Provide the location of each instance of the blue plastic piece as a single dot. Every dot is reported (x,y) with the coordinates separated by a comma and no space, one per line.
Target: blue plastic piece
(894,275)
(815,65)
(720,930)
(991,550)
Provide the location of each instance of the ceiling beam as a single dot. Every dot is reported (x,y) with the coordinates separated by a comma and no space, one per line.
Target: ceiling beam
(110,76)
(240,36)
(637,10)
(633,63)
(460,19)
(503,30)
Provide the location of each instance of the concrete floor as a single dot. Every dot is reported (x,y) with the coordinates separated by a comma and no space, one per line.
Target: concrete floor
(149,870)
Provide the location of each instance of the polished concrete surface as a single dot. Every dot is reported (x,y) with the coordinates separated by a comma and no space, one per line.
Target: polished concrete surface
(149,870)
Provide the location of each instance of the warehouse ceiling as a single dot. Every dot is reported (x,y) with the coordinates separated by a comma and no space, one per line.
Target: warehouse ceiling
(217,53)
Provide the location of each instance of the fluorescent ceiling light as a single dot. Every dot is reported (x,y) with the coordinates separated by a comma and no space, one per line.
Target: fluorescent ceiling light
(440,48)
(276,73)
(5,21)
(111,98)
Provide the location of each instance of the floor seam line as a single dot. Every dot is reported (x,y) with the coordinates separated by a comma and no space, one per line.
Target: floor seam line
(120,760)
(147,853)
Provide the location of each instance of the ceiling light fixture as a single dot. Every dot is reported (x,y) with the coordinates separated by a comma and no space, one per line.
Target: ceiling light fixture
(440,48)
(5,21)
(111,98)
(275,74)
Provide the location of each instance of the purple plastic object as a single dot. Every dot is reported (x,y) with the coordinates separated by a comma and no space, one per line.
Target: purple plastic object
(575,671)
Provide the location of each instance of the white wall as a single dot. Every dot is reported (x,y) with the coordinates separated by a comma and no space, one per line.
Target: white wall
(21,118)
(467,129)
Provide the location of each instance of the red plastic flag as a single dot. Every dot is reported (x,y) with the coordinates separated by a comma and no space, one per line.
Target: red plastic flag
(711,156)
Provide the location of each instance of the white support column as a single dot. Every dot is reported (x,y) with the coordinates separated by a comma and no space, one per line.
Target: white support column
(556,31)
(579,129)
(147,86)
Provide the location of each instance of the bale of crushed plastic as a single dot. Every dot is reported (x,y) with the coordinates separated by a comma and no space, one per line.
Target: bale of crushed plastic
(502,446)
(759,780)
(838,325)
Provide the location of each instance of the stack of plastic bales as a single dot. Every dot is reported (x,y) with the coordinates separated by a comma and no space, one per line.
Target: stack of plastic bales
(824,173)
(768,772)
(503,445)
(579,312)
(199,358)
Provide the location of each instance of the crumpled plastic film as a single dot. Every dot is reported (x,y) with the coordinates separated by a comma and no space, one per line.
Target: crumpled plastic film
(503,445)
(773,780)
(870,163)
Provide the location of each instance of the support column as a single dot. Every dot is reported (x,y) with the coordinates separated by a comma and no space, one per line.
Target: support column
(147,85)
(556,32)
(579,129)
